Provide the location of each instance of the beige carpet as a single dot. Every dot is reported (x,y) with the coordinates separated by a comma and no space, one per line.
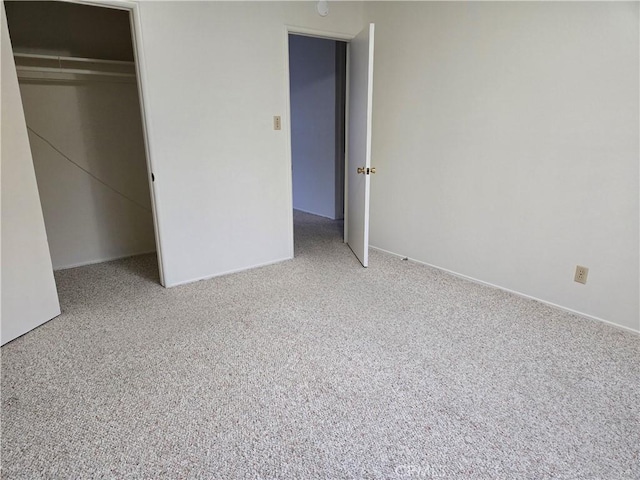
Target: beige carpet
(316,369)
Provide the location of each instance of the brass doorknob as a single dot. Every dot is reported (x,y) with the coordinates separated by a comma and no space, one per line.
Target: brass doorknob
(361,170)
(372,170)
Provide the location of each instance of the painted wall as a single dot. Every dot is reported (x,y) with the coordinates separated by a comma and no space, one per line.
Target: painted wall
(99,208)
(312,73)
(215,77)
(28,289)
(511,132)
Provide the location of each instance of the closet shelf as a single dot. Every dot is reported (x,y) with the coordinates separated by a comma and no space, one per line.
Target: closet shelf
(72,69)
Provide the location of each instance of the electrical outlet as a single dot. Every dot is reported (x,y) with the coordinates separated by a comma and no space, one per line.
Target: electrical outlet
(581,274)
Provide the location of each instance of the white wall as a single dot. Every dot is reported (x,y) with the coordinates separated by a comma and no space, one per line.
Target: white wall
(28,290)
(97,125)
(506,142)
(505,137)
(215,77)
(312,73)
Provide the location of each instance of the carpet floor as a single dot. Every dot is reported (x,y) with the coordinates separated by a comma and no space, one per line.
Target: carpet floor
(316,368)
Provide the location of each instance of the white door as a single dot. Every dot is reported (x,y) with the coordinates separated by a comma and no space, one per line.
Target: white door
(360,102)
(28,291)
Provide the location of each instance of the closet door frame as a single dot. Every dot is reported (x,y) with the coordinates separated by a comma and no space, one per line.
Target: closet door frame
(141,75)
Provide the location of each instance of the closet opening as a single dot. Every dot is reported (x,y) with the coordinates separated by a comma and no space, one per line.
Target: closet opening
(78,80)
(317,92)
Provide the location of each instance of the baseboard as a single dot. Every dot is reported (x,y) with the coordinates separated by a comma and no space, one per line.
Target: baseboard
(102,260)
(228,272)
(316,214)
(515,292)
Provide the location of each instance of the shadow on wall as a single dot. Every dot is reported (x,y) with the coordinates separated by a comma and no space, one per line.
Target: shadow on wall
(62,28)
(88,150)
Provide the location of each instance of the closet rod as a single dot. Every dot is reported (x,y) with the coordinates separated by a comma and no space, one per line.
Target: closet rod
(37,67)
(61,58)
(76,71)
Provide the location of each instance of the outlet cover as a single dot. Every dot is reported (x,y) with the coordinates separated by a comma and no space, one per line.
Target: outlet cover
(581,274)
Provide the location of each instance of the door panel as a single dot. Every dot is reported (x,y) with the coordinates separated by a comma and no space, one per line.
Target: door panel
(29,296)
(360,103)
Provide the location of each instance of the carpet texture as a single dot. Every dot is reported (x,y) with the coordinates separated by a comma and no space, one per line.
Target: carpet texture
(316,368)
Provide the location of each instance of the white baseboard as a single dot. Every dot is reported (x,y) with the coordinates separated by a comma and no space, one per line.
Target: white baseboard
(228,272)
(515,292)
(102,260)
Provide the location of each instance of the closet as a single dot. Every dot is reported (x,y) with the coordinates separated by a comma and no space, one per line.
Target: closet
(77,80)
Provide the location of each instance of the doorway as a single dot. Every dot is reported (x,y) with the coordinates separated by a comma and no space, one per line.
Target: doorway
(317,92)
(358,123)
(80,91)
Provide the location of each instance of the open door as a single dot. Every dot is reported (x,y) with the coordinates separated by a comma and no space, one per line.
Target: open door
(28,292)
(360,102)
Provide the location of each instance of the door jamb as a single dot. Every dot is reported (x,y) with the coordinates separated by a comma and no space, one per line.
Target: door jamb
(308,32)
